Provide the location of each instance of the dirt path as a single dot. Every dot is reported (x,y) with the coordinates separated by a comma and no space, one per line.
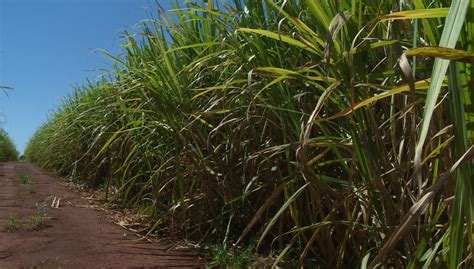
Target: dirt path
(33,235)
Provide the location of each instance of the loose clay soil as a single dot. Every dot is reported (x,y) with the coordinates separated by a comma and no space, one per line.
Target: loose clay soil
(74,235)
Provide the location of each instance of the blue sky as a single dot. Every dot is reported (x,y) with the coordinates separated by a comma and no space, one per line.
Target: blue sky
(47,46)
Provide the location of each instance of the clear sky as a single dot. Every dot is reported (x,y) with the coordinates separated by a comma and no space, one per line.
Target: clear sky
(49,45)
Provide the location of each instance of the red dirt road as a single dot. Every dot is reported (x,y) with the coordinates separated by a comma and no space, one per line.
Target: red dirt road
(71,236)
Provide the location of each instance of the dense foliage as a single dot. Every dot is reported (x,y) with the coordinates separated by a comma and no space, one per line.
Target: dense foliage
(8,151)
(289,126)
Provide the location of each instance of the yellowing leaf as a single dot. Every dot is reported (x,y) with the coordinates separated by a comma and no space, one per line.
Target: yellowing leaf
(417,14)
(444,53)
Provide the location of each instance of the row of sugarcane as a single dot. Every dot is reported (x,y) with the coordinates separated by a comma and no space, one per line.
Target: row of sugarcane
(333,134)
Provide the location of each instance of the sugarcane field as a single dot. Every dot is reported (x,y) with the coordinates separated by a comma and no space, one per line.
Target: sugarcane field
(236,134)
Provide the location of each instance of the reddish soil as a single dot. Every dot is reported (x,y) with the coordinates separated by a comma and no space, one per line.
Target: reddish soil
(73,235)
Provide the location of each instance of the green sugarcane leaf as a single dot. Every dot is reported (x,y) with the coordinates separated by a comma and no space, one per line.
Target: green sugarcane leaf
(449,38)
(283,38)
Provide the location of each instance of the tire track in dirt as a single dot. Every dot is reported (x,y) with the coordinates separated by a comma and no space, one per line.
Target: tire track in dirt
(72,236)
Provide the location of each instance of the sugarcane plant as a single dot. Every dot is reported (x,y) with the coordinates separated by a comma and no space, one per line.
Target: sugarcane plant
(8,151)
(319,133)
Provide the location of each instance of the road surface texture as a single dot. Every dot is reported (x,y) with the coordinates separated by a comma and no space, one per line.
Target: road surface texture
(74,235)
